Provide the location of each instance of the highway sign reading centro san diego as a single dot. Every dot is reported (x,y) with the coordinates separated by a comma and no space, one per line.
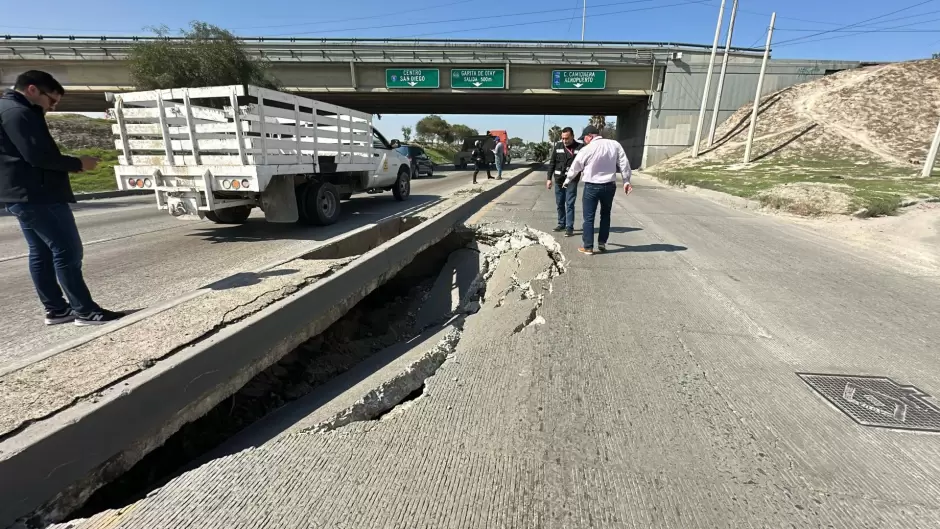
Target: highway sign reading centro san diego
(579,79)
(473,79)
(412,78)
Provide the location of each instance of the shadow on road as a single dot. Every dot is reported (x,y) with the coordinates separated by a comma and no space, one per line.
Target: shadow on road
(356,213)
(646,248)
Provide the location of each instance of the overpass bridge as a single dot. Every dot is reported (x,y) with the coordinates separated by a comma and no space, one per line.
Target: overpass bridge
(654,88)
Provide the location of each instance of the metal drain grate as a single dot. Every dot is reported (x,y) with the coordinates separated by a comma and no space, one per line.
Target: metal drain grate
(877,401)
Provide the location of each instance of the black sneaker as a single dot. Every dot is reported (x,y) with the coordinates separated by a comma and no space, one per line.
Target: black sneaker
(559,228)
(569,233)
(55,317)
(99,317)
(601,248)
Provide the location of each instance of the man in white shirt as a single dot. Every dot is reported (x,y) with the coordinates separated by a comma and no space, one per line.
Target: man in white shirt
(499,155)
(599,161)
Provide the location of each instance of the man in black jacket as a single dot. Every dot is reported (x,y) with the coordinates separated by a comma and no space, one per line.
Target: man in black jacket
(34,186)
(479,161)
(563,153)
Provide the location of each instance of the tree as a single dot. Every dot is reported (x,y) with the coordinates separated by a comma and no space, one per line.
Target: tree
(516,142)
(434,127)
(598,121)
(610,130)
(406,133)
(554,133)
(540,152)
(205,56)
(462,132)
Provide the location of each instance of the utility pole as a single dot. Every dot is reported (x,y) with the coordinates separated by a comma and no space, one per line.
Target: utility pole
(932,154)
(721,76)
(760,86)
(708,81)
(583,16)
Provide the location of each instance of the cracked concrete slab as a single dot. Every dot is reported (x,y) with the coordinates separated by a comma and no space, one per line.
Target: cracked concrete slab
(45,387)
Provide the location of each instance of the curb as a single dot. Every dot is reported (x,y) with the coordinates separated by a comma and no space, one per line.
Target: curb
(54,465)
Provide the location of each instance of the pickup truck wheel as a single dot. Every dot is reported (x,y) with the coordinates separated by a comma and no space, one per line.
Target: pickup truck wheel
(321,204)
(402,189)
(235,215)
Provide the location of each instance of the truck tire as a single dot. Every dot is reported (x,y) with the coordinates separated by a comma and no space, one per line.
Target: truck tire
(235,215)
(320,205)
(402,188)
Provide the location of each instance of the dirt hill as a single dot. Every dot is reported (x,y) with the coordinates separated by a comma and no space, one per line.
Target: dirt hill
(855,139)
(80,135)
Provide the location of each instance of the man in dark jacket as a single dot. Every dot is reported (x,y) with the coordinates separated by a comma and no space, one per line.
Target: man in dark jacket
(479,160)
(563,153)
(34,186)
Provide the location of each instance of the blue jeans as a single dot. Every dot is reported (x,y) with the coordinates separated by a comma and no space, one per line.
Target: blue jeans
(595,194)
(564,202)
(499,167)
(55,256)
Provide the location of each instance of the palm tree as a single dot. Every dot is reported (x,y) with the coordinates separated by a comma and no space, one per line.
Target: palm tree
(554,133)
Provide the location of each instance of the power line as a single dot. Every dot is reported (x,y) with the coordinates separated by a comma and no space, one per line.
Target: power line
(463,19)
(691,2)
(880,30)
(797,39)
(916,15)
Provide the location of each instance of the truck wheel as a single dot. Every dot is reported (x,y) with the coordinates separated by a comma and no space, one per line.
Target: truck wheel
(321,205)
(402,189)
(235,215)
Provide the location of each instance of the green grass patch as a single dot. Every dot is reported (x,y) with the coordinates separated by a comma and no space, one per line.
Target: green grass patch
(100,178)
(875,186)
(440,154)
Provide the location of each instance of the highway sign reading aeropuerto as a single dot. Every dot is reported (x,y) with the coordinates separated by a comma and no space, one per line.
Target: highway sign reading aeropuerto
(412,78)
(478,79)
(579,79)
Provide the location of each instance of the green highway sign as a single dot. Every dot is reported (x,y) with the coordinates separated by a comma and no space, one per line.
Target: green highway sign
(412,78)
(579,79)
(473,79)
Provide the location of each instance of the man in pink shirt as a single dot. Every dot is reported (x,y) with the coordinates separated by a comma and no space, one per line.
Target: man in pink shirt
(599,161)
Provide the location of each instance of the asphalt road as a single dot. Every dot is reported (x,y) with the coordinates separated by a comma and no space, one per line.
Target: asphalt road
(661,388)
(137,256)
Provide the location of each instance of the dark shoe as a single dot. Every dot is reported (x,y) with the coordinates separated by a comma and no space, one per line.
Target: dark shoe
(55,317)
(569,233)
(99,317)
(559,228)
(490,178)
(601,248)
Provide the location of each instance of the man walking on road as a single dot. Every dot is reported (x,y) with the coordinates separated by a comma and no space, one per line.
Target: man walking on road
(600,160)
(34,186)
(563,155)
(478,155)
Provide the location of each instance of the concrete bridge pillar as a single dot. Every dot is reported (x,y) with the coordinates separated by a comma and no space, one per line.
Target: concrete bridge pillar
(631,131)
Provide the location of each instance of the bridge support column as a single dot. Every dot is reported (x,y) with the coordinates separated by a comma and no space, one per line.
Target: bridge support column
(631,131)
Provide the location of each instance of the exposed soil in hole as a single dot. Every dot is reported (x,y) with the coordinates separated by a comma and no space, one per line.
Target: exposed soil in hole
(381,319)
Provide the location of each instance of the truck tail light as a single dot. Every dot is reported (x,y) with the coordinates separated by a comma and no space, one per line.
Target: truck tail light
(246,184)
(236,184)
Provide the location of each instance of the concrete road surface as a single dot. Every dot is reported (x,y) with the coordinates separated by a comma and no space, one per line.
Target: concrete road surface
(656,386)
(137,256)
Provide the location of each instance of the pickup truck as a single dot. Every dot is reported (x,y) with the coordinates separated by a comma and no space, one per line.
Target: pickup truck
(218,152)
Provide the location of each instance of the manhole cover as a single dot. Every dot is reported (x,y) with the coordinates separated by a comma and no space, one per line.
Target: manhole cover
(877,401)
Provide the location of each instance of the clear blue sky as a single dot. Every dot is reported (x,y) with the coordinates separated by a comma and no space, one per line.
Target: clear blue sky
(885,31)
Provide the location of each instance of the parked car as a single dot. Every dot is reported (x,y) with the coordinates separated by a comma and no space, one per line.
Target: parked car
(421,164)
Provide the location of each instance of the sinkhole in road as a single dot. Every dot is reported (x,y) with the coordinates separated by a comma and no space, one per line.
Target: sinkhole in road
(384,317)
(447,282)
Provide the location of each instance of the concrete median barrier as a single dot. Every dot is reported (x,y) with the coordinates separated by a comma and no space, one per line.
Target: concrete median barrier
(64,432)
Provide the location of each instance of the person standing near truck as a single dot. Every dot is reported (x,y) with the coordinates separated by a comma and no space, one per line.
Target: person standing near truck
(563,153)
(499,156)
(35,188)
(478,155)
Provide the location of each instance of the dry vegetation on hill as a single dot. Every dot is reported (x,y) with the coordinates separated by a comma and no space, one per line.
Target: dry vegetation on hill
(851,142)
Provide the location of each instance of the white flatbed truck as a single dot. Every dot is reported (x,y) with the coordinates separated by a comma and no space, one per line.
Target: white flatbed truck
(217,152)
